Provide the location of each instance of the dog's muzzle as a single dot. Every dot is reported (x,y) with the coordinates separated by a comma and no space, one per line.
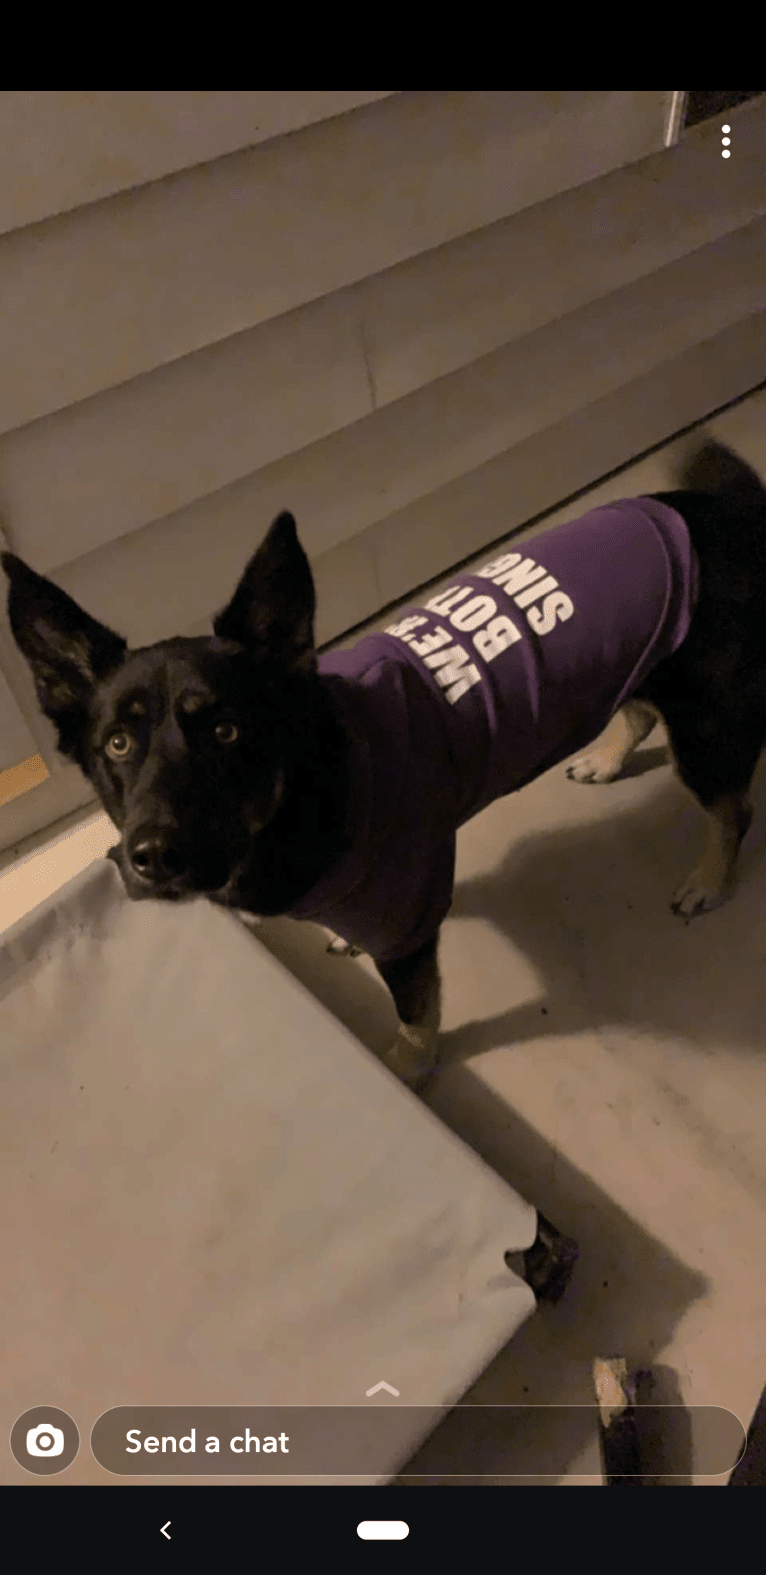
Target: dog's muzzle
(157,855)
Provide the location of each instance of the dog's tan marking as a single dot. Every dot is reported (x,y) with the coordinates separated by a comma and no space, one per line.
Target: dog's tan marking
(632,724)
(413,1057)
(193,702)
(711,881)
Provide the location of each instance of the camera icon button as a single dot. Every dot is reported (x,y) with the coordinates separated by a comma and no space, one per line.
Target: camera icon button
(45,1440)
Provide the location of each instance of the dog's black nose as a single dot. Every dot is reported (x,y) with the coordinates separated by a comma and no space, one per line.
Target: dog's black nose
(155,854)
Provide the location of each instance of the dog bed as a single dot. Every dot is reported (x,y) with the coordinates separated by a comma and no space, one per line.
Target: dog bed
(215,1195)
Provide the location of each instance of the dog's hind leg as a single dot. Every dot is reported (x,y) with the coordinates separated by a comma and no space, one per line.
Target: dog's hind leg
(715,761)
(711,880)
(415,985)
(607,758)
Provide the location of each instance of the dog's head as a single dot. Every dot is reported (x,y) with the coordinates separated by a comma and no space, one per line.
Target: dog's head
(189,743)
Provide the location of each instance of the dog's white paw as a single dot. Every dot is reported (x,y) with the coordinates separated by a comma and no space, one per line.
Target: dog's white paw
(697,896)
(341,948)
(413,1056)
(594,768)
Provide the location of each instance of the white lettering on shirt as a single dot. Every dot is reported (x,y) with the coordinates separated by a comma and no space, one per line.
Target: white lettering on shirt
(523,581)
(450,672)
(499,634)
(474,613)
(555,608)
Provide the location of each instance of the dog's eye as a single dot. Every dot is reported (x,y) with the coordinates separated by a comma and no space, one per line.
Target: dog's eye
(119,745)
(226,733)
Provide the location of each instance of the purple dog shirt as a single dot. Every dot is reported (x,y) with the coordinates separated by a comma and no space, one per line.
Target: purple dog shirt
(500,676)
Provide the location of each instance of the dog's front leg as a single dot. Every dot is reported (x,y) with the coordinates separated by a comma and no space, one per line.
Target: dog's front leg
(416,988)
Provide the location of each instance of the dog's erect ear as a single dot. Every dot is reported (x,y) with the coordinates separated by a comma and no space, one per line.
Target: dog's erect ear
(273,606)
(67,650)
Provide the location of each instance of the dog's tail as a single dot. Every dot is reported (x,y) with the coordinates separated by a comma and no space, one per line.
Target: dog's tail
(712,467)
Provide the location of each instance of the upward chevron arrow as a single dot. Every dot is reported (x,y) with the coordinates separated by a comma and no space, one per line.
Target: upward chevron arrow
(380,1386)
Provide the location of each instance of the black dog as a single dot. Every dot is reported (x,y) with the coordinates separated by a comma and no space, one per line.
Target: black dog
(244,768)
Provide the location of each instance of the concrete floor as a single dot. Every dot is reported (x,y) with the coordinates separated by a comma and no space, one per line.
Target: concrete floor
(608,1060)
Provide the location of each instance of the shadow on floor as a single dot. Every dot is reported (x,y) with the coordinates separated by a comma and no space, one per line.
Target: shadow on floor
(627,1296)
(588,906)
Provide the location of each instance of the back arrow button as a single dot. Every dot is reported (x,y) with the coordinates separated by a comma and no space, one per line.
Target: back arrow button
(164,1530)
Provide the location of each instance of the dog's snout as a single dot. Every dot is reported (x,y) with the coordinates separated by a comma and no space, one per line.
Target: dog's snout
(155,853)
